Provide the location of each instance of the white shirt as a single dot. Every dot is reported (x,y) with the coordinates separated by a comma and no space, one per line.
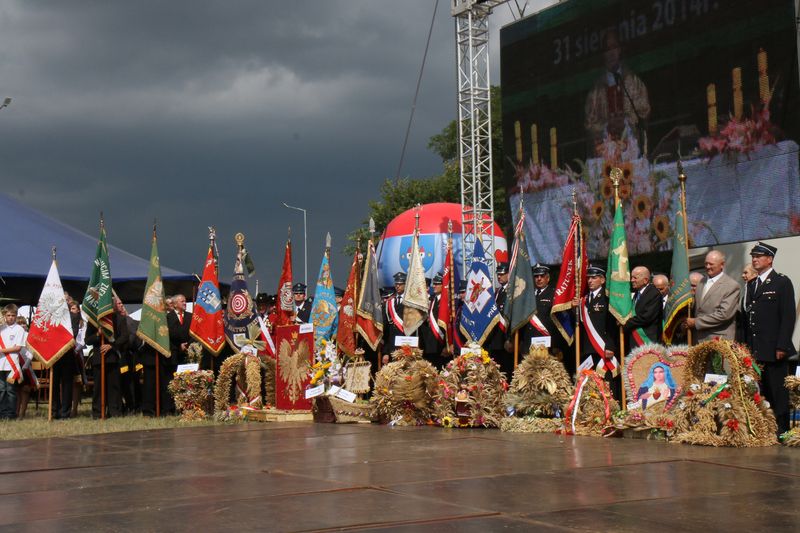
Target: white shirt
(765,274)
(709,283)
(13,336)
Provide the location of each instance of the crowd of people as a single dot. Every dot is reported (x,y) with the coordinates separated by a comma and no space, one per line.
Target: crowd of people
(759,313)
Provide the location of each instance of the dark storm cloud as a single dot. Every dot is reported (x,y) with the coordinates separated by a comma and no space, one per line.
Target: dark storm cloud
(202,113)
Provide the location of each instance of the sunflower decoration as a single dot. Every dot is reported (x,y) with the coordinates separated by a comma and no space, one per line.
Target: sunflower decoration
(661,227)
(642,207)
(598,209)
(607,188)
(405,389)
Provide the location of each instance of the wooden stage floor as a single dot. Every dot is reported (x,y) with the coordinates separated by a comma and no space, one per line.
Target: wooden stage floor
(305,476)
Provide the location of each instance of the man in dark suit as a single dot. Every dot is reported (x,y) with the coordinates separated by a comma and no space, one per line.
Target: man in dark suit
(645,325)
(302,304)
(771,319)
(393,316)
(541,324)
(179,321)
(495,343)
(111,350)
(432,336)
(599,331)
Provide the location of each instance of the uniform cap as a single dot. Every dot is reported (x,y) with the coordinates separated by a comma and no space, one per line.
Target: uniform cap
(762,248)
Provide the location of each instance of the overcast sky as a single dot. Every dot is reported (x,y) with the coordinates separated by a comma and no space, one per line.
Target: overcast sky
(213,113)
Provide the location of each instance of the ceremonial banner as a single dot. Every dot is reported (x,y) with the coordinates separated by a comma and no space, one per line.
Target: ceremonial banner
(98,304)
(680,292)
(521,296)
(50,334)
(346,331)
(323,312)
(369,312)
(479,312)
(153,325)
(446,318)
(241,322)
(571,281)
(295,357)
(285,304)
(618,286)
(207,325)
(415,297)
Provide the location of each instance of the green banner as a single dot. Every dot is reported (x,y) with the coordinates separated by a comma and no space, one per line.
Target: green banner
(98,303)
(680,292)
(153,324)
(618,285)
(521,298)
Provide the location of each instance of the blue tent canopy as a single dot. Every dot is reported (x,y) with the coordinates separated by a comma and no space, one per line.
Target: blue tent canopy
(25,259)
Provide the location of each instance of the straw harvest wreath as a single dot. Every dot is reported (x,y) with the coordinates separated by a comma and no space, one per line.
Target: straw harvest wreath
(244,370)
(792,437)
(470,392)
(405,389)
(591,407)
(192,392)
(538,394)
(723,414)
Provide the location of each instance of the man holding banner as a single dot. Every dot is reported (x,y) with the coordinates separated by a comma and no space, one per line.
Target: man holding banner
(598,331)
(645,325)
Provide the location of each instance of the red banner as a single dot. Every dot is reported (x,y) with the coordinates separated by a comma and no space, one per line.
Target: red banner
(571,280)
(294,360)
(284,307)
(207,327)
(346,334)
(446,302)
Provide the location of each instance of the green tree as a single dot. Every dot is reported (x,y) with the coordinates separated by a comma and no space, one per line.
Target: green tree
(404,193)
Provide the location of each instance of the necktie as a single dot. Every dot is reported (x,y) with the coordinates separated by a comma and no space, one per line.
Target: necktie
(758,285)
(180,318)
(590,299)
(635,297)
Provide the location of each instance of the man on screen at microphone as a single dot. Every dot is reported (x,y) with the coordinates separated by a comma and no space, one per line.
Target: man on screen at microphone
(618,103)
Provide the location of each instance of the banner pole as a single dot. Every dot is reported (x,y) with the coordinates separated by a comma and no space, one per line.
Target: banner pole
(516,349)
(623,403)
(451,294)
(158,384)
(102,377)
(50,395)
(682,181)
(578,254)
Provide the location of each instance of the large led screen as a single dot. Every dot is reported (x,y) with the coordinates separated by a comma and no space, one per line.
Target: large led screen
(588,86)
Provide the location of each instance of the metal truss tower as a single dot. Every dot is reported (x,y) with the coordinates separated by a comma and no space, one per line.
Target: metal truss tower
(475,126)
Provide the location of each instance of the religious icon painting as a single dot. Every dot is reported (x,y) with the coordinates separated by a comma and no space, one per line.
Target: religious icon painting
(654,377)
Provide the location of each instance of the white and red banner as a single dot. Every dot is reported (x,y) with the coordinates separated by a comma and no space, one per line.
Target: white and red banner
(50,333)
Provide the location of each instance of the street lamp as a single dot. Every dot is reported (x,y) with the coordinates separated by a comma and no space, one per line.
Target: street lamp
(305,241)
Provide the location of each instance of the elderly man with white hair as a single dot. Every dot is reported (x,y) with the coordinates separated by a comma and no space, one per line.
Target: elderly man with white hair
(716,300)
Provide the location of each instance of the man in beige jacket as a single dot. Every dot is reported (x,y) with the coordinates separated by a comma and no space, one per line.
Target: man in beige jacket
(716,301)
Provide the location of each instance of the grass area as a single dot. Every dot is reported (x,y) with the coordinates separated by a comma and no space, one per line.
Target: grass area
(35,424)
